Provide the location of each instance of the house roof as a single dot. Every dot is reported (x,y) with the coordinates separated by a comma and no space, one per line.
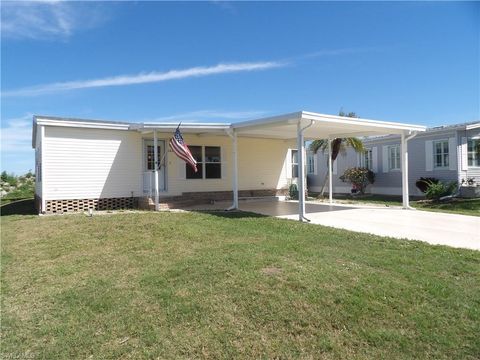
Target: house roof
(431,131)
(315,125)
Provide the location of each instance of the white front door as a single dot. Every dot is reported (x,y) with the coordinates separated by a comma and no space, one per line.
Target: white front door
(149,167)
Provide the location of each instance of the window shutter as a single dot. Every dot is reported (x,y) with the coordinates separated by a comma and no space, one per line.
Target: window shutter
(315,164)
(359,159)
(289,164)
(464,154)
(374,159)
(452,153)
(429,155)
(385,159)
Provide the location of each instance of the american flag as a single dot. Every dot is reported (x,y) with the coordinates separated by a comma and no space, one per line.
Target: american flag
(181,149)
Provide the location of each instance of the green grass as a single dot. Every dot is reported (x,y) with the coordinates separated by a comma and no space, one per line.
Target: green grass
(218,286)
(457,206)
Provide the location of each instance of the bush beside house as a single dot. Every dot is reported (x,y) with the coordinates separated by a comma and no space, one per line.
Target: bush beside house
(17,187)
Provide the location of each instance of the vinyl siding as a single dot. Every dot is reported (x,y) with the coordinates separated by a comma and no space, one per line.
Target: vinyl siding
(262,164)
(97,163)
(91,163)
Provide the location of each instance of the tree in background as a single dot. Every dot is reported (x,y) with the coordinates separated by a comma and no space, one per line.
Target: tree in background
(338,145)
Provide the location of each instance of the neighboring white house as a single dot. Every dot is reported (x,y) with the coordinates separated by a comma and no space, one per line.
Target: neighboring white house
(447,153)
(83,164)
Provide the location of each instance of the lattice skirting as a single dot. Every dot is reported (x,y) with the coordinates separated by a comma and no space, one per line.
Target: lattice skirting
(75,205)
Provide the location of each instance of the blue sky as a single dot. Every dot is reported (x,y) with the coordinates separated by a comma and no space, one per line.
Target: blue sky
(415,62)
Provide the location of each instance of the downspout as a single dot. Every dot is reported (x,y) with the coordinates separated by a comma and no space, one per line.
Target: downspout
(301,170)
(233,135)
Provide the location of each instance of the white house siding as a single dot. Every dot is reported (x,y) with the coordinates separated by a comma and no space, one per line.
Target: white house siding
(466,171)
(96,163)
(261,165)
(91,163)
(390,182)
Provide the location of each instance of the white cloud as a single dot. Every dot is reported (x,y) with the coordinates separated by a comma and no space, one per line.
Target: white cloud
(47,19)
(16,136)
(200,115)
(144,78)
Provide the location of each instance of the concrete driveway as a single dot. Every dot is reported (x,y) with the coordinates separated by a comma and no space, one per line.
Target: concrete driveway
(435,228)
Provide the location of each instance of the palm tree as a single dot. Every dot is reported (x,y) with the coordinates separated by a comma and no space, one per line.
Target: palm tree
(338,145)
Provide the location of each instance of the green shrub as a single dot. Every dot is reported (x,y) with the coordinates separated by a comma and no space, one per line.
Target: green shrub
(436,190)
(9,178)
(422,183)
(293,192)
(358,177)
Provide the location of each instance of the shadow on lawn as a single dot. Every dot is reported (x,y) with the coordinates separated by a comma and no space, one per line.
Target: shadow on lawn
(237,214)
(21,207)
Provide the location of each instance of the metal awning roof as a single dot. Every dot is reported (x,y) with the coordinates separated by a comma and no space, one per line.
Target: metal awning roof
(318,126)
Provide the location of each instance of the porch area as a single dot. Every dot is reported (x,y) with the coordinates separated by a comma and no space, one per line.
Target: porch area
(298,128)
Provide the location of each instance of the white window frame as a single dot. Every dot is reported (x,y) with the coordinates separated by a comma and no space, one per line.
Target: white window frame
(204,163)
(293,164)
(310,163)
(443,153)
(475,156)
(394,163)
(366,159)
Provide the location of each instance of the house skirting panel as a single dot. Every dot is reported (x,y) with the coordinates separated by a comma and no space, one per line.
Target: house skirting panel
(79,205)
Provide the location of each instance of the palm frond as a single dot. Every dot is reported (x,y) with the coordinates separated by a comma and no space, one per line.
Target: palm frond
(355,143)
(317,145)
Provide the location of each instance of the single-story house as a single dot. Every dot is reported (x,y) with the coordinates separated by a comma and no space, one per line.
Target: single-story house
(447,153)
(88,164)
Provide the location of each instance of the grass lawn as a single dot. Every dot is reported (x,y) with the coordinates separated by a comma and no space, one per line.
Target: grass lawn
(459,206)
(199,285)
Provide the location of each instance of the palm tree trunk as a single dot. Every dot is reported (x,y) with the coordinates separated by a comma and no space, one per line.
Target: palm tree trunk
(324,184)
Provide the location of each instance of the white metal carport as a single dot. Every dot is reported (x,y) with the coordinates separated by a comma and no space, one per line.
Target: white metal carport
(300,126)
(309,126)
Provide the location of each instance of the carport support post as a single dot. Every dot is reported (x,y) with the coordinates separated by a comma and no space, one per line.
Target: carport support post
(155,172)
(404,162)
(235,169)
(301,173)
(330,181)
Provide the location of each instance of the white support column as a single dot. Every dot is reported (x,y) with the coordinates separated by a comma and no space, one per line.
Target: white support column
(330,180)
(155,167)
(301,173)
(235,170)
(404,164)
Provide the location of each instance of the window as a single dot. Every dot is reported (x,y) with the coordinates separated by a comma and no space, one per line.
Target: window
(473,152)
(394,157)
(209,163)
(151,156)
(366,159)
(440,154)
(310,163)
(294,163)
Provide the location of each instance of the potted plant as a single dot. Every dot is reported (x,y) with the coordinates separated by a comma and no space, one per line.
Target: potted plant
(469,188)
